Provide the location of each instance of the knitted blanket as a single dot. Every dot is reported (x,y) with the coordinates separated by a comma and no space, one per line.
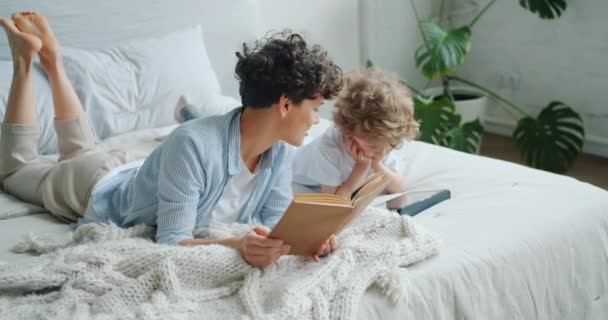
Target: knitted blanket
(118,276)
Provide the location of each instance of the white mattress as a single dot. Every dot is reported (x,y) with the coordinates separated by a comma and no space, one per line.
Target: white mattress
(519,243)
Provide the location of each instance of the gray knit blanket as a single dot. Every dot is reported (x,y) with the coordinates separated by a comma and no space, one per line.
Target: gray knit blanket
(122,274)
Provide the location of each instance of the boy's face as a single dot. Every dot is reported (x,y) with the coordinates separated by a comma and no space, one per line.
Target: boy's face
(301,118)
(374,148)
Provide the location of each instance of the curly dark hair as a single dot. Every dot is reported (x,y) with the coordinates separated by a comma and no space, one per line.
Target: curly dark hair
(284,64)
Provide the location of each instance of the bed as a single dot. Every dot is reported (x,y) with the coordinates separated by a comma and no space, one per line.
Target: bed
(518,243)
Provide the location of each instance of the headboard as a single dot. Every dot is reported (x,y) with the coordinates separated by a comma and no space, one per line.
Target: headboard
(94,24)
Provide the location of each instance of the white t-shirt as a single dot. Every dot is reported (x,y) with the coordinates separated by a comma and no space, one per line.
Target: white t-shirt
(325,161)
(236,193)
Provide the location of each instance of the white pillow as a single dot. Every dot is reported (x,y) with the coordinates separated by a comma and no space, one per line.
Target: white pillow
(136,85)
(131,86)
(44,104)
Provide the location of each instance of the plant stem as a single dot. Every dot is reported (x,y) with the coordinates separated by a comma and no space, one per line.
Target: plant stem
(494,96)
(415,10)
(419,24)
(417,92)
(445,81)
(482,12)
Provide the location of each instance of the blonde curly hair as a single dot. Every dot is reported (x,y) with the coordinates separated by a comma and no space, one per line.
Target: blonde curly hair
(375,104)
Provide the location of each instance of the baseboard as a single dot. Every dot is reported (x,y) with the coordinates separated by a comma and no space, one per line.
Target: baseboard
(593,144)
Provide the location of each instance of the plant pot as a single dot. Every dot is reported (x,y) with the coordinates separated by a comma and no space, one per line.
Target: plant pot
(469,103)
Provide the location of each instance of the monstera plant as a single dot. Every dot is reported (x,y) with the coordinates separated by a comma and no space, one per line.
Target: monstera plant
(550,141)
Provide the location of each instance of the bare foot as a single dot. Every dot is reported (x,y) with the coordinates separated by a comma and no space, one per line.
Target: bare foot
(181,103)
(23,45)
(36,24)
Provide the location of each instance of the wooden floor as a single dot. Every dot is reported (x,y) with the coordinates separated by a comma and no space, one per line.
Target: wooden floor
(588,168)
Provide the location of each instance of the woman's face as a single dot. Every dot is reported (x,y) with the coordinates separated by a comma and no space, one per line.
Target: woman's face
(303,116)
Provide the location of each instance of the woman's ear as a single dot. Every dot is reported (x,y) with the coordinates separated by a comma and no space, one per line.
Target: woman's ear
(284,105)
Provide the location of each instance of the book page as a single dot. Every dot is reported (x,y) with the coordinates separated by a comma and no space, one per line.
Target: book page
(363,200)
(411,196)
(370,185)
(321,198)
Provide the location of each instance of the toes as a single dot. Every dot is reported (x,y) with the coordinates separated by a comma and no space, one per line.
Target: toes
(17,15)
(183,100)
(22,19)
(19,21)
(8,25)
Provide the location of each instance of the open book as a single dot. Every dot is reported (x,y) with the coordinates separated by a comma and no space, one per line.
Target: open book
(416,201)
(312,218)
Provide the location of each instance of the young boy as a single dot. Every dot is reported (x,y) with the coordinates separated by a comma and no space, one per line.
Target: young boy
(373,115)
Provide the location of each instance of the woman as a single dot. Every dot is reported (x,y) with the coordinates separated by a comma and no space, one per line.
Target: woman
(228,168)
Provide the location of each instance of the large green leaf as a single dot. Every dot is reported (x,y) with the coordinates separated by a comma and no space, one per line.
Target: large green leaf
(435,118)
(442,51)
(546,9)
(466,137)
(553,140)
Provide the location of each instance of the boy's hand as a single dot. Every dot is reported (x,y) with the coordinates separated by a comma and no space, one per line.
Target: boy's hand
(328,247)
(355,152)
(260,251)
(378,166)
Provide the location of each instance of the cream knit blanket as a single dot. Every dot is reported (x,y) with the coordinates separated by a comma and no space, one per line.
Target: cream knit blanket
(117,276)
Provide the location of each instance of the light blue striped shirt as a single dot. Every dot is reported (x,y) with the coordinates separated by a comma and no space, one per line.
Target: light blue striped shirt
(179,184)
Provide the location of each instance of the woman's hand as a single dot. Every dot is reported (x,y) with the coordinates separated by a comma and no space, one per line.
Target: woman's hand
(328,247)
(260,251)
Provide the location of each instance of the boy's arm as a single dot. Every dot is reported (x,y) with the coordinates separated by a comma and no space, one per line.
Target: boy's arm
(355,179)
(328,189)
(359,172)
(396,184)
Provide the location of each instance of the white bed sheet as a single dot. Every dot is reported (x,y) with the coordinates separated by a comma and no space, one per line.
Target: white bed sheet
(519,243)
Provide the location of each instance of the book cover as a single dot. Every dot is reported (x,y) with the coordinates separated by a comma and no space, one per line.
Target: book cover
(311,219)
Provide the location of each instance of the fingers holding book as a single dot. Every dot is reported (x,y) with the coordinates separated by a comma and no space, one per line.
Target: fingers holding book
(326,248)
(259,250)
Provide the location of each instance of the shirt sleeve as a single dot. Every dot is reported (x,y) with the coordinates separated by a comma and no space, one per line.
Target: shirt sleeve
(281,193)
(391,162)
(180,183)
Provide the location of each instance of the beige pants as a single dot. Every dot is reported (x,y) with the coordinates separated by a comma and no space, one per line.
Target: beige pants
(62,187)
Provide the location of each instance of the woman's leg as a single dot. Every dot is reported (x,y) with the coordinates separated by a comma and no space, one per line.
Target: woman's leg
(21,104)
(74,134)
(66,102)
(63,188)
(21,170)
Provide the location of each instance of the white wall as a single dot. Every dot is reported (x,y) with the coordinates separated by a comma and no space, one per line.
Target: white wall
(332,24)
(393,37)
(533,62)
(515,53)
(351,31)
